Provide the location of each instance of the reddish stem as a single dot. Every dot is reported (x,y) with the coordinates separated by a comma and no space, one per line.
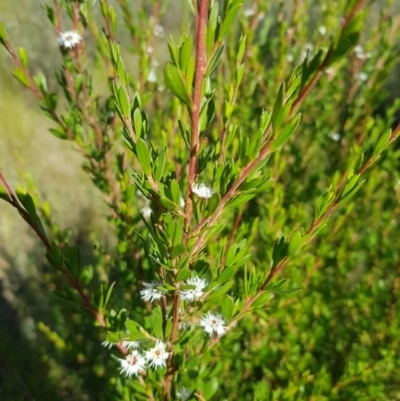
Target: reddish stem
(73,281)
(201,64)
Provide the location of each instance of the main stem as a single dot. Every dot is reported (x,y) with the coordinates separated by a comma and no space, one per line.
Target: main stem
(201,64)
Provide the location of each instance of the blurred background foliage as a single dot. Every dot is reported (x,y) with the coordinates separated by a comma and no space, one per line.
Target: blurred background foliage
(336,339)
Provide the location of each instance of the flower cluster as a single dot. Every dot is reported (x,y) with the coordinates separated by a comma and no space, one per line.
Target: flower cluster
(69,39)
(213,323)
(135,362)
(195,293)
(183,394)
(151,292)
(202,191)
(361,54)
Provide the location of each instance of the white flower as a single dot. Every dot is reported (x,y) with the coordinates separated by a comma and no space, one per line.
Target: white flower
(149,49)
(308,47)
(69,39)
(131,344)
(334,136)
(306,52)
(202,191)
(181,202)
(132,364)
(322,30)
(158,31)
(157,356)
(362,76)
(183,394)
(151,293)
(290,57)
(152,77)
(107,344)
(182,325)
(212,323)
(329,71)
(249,12)
(358,50)
(196,292)
(360,54)
(146,211)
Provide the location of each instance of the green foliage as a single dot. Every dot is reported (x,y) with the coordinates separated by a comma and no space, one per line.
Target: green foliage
(293,140)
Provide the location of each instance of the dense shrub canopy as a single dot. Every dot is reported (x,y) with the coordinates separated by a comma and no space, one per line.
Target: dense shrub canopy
(247,243)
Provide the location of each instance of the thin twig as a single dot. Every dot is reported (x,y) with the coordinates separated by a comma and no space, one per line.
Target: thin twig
(72,280)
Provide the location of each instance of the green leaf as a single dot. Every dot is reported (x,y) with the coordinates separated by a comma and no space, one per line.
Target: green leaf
(220,291)
(133,327)
(100,301)
(210,388)
(55,257)
(351,191)
(344,45)
(279,113)
(383,141)
(4,194)
(21,76)
(167,203)
(287,131)
(143,154)
(173,51)
(183,274)
(211,28)
(23,56)
(207,114)
(123,102)
(185,53)
(178,250)
(59,133)
(228,21)
(112,337)
(295,242)
(226,274)
(212,64)
(3,34)
(348,38)
(213,203)
(283,291)
(137,123)
(241,50)
(280,251)
(205,157)
(26,201)
(175,84)
(175,191)
(122,75)
(160,165)
(239,200)
(262,299)
(227,308)
(327,199)
(39,225)
(109,292)
(190,70)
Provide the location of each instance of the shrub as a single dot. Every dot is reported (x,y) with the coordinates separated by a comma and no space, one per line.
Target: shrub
(244,266)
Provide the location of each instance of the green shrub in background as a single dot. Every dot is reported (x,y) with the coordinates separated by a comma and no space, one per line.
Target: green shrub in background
(243,267)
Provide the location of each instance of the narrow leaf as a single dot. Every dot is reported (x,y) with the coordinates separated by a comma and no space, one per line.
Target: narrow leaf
(143,154)
(175,84)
